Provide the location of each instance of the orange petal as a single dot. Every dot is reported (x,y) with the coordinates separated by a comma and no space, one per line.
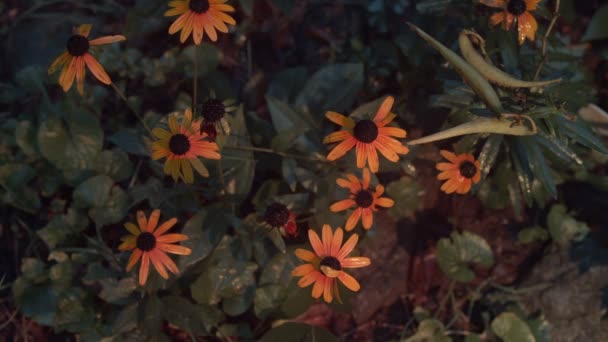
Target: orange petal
(393,144)
(134,258)
(527,26)
(310,278)
(350,282)
(341,149)
(384,109)
(165,226)
(531,4)
(187,29)
(302,270)
(392,132)
(337,136)
(96,69)
(449,156)
(142,221)
(336,243)
(80,72)
(356,184)
(179,23)
(494,3)
(158,265)
(446,166)
(448,174)
(327,290)
(317,289)
(328,236)
(385,151)
(348,246)
(108,40)
(361,154)
(343,183)
(133,229)
(174,249)
(128,243)
(222,16)
(153,220)
(222,7)
(62,60)
(372,158)
(305,255)
(209,29)
(355,262)
(353,219)
(340,119)
(144,269)
(172,238)
(342,205)
(388,119)
(385,202)
(366,178)
(84,30)
(198,30)
(316,243)
(167,262)
(497,18)
(66,78)
(367,217)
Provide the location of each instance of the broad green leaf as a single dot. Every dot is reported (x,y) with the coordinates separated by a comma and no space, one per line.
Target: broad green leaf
(488,154)
(298,332)
(208,57)
(286,118)
(598,27)
(288,168)
(25,137)
(205,230)
(267,299)
(117,291)
(455,255)
(72,143)
(37,302)
(152,314)
(129,142)
(532,234)
(113,209)
(407,194)
(237,305)
(278,269)
(93,192)
(334,87)
(184,314)
(563,228)
(511,328)
(223,281)
(429,330)
(115,164)
(287,83)
(60,228)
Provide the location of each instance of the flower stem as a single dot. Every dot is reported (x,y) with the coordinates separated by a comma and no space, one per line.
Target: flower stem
(271,151)
(545,40)
(124,98)
(195,78)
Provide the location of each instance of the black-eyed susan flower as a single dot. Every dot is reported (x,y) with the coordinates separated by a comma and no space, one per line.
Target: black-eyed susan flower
(278,216)
(214,114)
(77,56)
(367,136)
(199,17)
(151,245)
(326,264)
(362,198)
(461,172)
(515,11)
(182,145)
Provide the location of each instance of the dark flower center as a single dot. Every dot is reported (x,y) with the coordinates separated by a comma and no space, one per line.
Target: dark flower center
(78,45)
(213,110)
(146,241)
(209,129)
(366,131)
(516,7)
(332,263)
(277,215)
(467,169)
(364,198)
(179,144)
(199,6)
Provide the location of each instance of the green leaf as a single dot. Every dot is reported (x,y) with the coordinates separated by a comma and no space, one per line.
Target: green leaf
(298,332)
(73,143)
(267,299)
(238,166)
(488,154)
(205,231)
(429,330)
(407,193)
(184,314)
(278,269)
(334,87)
(117,291)
(285,118)
(115,164)
(511,328)
(532,234)
(455,255)
(598,27)
(25,137)
(93,192)
(208,57)
(152,315)
(563,228)
(129,142)
(60,228)
(229,279)
(126,319)
(237,305)
(288,168)
(287,83)
(113,210)
(472,77)
(36,302)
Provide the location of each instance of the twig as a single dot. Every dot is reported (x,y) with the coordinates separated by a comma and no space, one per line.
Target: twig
(545,40)
(444,301)
(271,151)
(124,98)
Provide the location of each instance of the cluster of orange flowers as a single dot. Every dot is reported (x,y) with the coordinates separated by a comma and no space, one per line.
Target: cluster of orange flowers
(186,139)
